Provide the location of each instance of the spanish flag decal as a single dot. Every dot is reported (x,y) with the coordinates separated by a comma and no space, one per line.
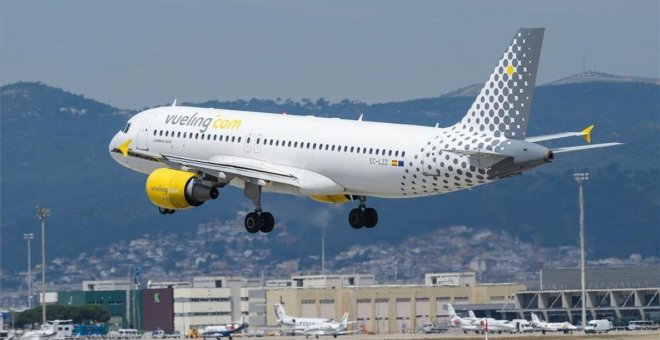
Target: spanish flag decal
(397,163)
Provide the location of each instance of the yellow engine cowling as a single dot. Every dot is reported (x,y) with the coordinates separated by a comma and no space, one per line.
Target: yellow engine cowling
(174,189)
(332,199)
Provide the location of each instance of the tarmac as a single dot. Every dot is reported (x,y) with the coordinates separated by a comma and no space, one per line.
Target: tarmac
(614,335)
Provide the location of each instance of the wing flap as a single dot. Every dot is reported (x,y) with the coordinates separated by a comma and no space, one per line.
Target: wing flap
(221,166)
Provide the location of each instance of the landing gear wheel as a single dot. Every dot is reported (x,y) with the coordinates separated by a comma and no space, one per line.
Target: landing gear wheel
(371,217)
(166,211)
(268,222)
(253,222)
(356,218)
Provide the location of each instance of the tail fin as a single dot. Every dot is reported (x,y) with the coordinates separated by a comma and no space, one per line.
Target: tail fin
(343,324)
(279,311)
(471,315)
(503,105)
(450,309)
(535,319)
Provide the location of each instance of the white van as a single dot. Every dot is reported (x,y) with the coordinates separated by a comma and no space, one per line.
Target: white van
(522,325)
(598,326)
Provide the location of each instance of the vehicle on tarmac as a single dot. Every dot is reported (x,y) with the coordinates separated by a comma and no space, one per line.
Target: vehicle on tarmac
(642,325)
(429,328)
(522,326)
(598,326)
(544,326)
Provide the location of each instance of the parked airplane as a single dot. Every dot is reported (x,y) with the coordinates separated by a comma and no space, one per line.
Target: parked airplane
(465,324)
(227,330)
(189,152)
(296,323)
(328,328)
(492,325)
(544,326)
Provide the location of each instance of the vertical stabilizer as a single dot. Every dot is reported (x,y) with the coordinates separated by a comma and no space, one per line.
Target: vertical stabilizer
(450,310)
(280,312)
(503,104)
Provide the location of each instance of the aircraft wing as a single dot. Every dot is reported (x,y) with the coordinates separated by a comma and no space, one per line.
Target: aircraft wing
(231,166)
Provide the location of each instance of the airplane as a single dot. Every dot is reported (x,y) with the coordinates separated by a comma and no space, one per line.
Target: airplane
(465,324)
(295,323)
(492,325)
(544,326)
(225,330)
(328,328)
(191,153)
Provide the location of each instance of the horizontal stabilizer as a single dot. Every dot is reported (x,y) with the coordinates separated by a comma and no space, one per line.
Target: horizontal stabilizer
(586,133)
(584,147)
(480,158)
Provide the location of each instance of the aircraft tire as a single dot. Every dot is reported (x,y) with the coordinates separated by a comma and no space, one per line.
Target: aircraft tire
(253,222)
(356,218)
(268,222)
(370,217)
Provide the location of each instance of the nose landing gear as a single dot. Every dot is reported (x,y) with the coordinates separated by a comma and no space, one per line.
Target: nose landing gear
(363,216)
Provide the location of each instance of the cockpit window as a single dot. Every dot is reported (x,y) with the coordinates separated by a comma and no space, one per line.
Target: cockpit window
(125,129)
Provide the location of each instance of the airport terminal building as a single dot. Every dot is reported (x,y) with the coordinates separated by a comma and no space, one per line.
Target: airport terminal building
(618,294)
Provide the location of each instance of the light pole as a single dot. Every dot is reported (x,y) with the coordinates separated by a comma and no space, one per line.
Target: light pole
(580,177)
(29,238)
(42,213)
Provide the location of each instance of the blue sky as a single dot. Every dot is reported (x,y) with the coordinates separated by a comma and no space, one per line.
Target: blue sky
(133,54)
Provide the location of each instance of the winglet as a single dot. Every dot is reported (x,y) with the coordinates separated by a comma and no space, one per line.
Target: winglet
(123,147)
(587,133)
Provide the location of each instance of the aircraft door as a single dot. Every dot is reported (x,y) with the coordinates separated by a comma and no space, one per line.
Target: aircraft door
(247,146)
(143,133)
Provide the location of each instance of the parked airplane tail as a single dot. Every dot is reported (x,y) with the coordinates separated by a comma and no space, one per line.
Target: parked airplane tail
(343,324)
(535,319)
(279,311)
(471,315)
(450,309)
(502,107)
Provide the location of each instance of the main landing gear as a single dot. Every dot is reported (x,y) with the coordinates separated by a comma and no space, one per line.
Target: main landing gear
(257,220)
(166,211)
(363,216)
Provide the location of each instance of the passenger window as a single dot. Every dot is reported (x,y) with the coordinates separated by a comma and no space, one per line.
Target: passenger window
(358,149)
(197,136)
(333,147)
(389,153)
(308,145)
(178,134)
(233,138)
(396,153)
(239,139)
(202,135)
(248,140)
(160,133)
(289,144)
(258,140)
(371,150)
(327,146)
(155,132)
(271,142)
(184,135)
(377,151)
(215,137)
(403,154)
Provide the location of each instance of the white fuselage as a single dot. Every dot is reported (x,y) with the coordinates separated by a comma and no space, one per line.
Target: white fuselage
(328,155)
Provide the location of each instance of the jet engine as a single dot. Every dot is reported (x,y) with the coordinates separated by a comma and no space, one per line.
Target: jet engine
(175,190)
